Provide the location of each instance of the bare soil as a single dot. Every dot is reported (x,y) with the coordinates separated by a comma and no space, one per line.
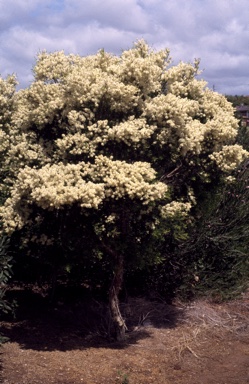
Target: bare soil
(200,343)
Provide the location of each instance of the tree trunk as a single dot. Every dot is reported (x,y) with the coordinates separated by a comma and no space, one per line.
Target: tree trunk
(116,285)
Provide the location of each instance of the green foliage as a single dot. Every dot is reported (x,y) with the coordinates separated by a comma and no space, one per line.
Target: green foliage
(5,273)
(123,378)
(243,137)
(243,132)
(238,100)
(216,256)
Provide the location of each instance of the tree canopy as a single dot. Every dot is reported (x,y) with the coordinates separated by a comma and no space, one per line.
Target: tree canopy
(113,152)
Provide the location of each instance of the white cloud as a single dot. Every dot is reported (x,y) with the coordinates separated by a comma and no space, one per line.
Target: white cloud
(126,15)
(215,31)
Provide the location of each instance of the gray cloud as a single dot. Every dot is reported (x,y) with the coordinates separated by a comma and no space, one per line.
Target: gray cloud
(125,15)
(217,32)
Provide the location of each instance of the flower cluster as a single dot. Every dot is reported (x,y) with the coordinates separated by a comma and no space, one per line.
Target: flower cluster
(7,90)
(175,208)
(230,157)
(88,185)
(103,128)
(132,132)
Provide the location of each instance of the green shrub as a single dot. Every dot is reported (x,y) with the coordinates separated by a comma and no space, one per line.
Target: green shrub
(216,257)
(5,273)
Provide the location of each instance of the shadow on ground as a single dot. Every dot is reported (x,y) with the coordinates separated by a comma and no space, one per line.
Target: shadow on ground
(78,324)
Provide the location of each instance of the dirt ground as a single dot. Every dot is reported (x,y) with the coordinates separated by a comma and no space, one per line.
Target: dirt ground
(200,343)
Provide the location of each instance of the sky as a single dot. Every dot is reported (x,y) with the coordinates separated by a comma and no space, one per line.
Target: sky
(214,31)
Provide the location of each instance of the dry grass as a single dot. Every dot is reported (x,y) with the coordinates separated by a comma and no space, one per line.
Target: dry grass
(199,343)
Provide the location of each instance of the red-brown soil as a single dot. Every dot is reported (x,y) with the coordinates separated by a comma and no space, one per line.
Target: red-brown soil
(201,343)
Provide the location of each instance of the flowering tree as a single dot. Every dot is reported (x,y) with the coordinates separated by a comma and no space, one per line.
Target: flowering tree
(7,102)
(7,92)
(114,148)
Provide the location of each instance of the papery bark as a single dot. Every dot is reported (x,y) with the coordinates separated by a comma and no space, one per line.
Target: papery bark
(116,285)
